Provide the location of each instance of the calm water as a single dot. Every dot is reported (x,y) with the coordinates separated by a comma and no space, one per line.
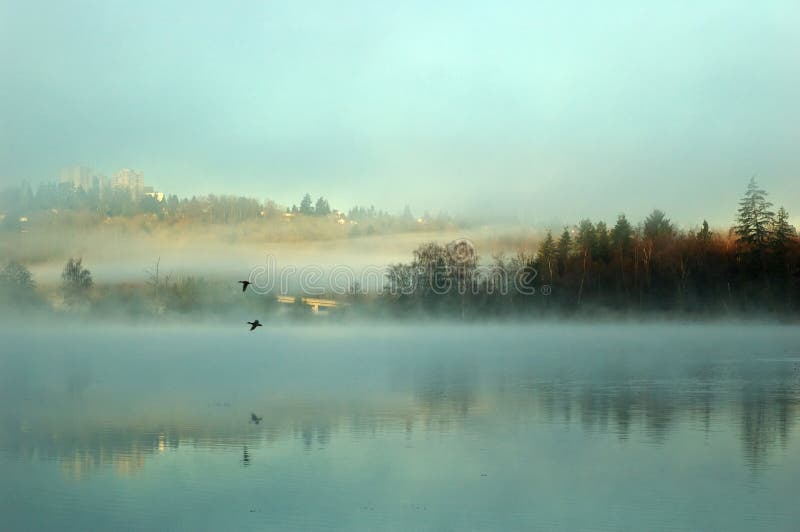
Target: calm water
(432,428)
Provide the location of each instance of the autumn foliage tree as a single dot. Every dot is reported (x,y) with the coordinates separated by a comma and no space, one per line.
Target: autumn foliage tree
(653,266)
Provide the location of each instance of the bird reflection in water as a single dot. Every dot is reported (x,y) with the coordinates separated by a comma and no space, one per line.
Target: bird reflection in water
(245,457)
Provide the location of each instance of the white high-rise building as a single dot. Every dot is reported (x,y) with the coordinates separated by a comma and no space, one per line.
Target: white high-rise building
(78,177)
(131,180)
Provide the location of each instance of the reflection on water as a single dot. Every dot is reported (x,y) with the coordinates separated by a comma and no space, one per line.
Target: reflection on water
(547,417)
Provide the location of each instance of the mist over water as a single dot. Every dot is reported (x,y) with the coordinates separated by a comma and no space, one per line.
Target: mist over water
(446,427)
(399,266)
(118,255)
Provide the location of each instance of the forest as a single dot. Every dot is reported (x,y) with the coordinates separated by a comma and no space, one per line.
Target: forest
(65,204)
(592,268)
(589,269)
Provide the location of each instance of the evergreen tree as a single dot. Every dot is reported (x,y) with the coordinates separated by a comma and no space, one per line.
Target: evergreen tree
(704,235)
(586,239)
(657,225)
(621,236)
(782,232)
(306,205)
(322,207)
(546,258)
(563,249)
(602,244)
(754,219)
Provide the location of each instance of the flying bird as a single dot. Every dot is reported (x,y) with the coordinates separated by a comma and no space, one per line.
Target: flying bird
(245,284)
(254,324)
(255,419)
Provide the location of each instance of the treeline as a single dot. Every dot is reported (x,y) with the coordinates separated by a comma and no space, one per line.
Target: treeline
(60,199)
(158,294)
(755,267)
(590,268)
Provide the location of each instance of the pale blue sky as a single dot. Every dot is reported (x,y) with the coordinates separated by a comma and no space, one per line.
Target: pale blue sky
(547,110)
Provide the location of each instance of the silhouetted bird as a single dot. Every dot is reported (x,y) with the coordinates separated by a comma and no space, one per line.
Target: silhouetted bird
(255,419)
(254,324)
(245,284)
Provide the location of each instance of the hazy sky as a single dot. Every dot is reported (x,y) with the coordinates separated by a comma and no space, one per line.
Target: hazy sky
(547,110)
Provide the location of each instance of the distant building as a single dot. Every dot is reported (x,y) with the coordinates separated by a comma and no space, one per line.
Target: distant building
(130,180)
(79,177)
(156,195)
(102,183)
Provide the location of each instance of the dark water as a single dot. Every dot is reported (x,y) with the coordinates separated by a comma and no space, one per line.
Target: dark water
(415,428)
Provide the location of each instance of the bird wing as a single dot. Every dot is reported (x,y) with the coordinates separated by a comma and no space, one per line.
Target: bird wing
(244,285)
(252,326)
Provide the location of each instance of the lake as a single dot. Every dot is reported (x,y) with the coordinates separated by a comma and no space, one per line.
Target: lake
(413,427)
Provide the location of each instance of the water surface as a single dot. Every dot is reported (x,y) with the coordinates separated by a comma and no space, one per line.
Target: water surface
(551,427)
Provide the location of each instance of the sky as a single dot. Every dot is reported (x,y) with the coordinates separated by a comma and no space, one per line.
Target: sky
(537,112)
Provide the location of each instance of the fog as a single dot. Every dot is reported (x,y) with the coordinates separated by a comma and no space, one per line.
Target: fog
(144,269)
(230,252)
(529,111)
(373,427)
(399,266)
(209,377)
(139,270)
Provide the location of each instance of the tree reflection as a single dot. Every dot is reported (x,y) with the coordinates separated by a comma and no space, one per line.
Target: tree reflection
(760,402)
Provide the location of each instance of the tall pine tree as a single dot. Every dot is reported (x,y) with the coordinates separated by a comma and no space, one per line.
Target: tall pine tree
(563,248)
(306,205)
(621,236)
(782,233)
(546,259)
(755,219)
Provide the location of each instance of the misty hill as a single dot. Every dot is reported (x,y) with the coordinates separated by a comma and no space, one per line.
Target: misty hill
(67,204)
